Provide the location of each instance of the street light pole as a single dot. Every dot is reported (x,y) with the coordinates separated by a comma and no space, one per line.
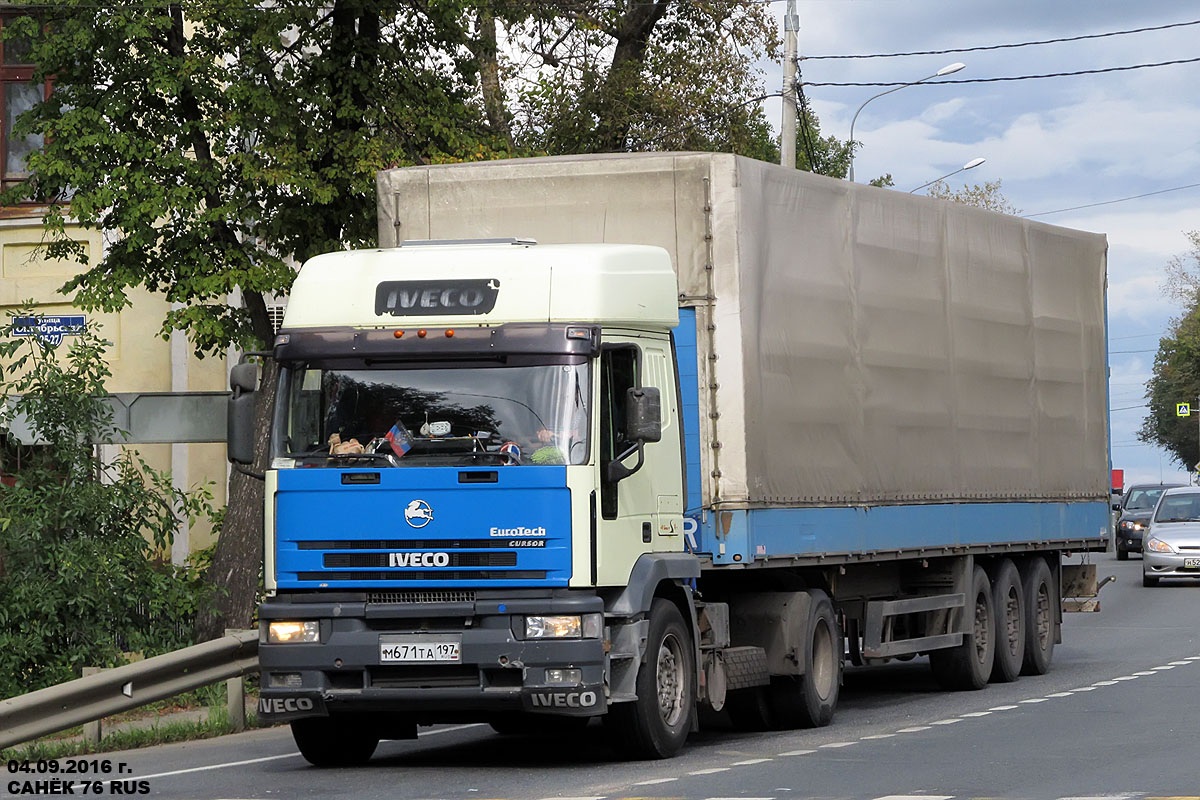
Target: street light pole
(972,164)
(787,136)
(946,70)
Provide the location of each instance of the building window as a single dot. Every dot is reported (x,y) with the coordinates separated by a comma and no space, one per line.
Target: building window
(20,95)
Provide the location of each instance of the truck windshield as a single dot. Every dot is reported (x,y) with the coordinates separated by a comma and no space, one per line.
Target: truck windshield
(424,416)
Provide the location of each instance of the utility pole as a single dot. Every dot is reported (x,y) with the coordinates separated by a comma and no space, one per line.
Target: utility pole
(787,136)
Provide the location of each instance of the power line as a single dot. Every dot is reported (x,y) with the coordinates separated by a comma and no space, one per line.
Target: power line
(1118,338)
(1126,408)
(1125,68)
(1114,352)
(1118,200)
(1006,46)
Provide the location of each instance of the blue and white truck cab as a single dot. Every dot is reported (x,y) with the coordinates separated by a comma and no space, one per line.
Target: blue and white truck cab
(476,454)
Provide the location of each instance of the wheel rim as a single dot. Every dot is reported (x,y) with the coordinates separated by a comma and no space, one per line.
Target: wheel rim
(981,629)
(1042,616)
(822,660)
(671,680)
(1012,620)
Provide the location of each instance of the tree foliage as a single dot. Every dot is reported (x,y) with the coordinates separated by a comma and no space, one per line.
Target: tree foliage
(983,195)
(1176,376)
(80,575)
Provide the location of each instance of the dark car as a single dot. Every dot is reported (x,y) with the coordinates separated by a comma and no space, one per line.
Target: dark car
(1136,507)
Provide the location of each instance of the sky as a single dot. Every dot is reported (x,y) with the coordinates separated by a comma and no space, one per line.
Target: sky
(1055,143)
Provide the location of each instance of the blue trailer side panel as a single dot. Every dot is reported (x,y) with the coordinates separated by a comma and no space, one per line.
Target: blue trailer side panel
(689,389)
(745,535)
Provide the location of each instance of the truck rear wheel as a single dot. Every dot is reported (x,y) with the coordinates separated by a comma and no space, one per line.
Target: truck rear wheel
(333,742)
(1040,616)
(658,722)
(969,665)
(809,700)
(1008,600)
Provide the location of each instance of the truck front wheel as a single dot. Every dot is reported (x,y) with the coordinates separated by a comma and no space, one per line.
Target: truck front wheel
(657,723)
(969,665)
(333,742)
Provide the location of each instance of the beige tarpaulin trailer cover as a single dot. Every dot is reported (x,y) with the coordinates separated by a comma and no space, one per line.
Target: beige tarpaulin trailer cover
(872,347)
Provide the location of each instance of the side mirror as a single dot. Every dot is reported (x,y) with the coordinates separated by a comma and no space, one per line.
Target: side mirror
(643,423)
(1116,506)
(643,414)
(239,436)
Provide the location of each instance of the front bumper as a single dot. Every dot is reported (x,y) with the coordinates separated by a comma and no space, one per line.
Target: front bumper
(497,672)
(1129,540)
(1170,565)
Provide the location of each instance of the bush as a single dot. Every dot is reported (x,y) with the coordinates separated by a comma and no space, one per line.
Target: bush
(82,572)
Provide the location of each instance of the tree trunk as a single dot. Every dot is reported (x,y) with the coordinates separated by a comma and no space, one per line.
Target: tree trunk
(237,562)
(632,33)
(485,51)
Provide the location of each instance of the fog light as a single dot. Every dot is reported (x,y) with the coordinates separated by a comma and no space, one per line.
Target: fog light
(284,680)
(291,632)
(559,627)
(564,676)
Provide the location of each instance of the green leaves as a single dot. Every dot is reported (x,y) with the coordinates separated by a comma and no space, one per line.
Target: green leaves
(81,542)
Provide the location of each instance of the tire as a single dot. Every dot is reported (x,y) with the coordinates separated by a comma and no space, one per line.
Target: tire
(1147,580)
(656,724)
(1041,618)
(809,700)
(1008,600)
(332,742)
(750,709)
(969,665)
(538,725)
(1122,555)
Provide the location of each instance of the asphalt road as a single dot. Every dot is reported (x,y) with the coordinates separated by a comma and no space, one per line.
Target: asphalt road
(1116,717)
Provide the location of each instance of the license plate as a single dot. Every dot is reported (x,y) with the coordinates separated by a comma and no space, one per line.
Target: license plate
(1191,563)
(420,649)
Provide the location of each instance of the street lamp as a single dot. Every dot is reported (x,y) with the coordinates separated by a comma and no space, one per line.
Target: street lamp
(972,164)
(946,70)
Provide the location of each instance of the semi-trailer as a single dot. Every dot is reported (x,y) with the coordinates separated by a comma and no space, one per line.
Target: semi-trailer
(633,436)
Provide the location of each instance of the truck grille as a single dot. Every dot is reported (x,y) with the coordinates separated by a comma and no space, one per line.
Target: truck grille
(456,560)
(440,677)
(427,575)
(449,596)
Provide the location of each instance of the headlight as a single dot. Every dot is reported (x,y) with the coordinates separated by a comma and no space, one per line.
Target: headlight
(1131,526)
(1158,546)
(564,626)
(292,632)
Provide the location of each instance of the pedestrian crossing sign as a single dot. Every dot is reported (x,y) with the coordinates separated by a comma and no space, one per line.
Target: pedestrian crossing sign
(1183,410)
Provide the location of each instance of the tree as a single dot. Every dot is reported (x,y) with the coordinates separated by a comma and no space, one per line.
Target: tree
(594,76)
(212,146)
(1176,376)
(986,195)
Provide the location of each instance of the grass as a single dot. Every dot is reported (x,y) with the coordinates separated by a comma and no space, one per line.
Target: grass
(217,724)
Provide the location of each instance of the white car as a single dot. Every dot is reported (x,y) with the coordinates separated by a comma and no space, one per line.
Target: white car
(1171,545)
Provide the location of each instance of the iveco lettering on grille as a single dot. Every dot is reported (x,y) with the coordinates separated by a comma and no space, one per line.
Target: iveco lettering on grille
(418,559)
(517,532)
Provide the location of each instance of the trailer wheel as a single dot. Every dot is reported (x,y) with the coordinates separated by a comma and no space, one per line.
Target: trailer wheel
(333,742)
(1041,600)
(657,723)
(809,700)
(1009,602)
(969,665)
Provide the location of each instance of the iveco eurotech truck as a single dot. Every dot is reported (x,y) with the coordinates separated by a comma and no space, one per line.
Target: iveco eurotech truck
(628,437)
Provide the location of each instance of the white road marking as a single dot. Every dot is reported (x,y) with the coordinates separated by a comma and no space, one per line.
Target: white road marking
(655,780)
(837,744)
(1034,700)
(797,753)
(739,798)
(1178,663)
(1143,674)
(1002,708)
(1193,658)
(285,755)
(1164,667)
(712,771)
(947,721)
(975,714)
(750,761)
(1086,689)
(914,729)
(1127,678)
(1105,683)
(1068,694)
(916,797)
(880,736)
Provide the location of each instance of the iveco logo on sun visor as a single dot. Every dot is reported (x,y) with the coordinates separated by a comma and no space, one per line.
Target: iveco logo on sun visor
(429,298)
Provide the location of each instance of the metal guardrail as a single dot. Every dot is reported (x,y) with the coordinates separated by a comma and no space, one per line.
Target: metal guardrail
(113,691)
